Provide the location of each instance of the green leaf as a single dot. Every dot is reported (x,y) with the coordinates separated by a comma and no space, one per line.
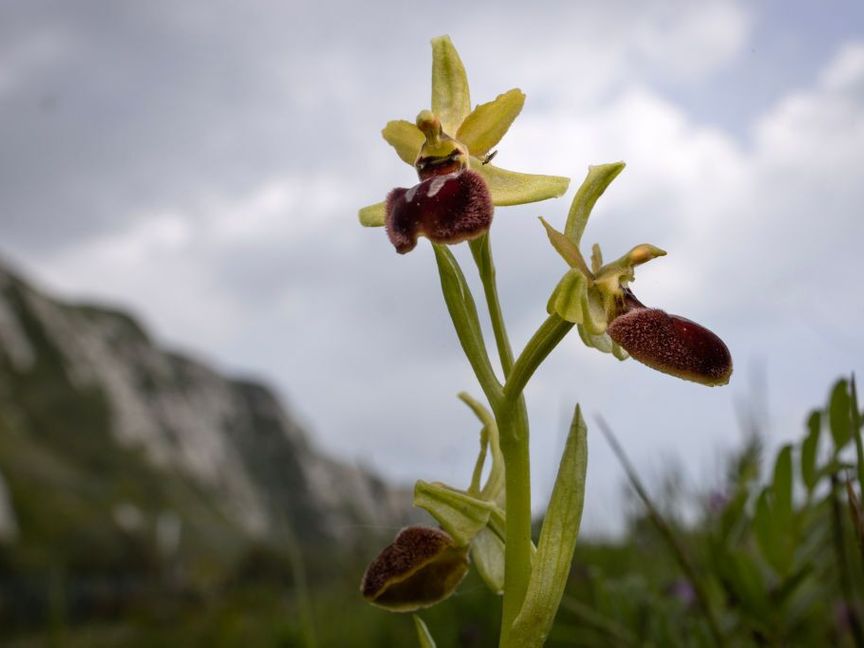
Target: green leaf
(451,101)
(424,637)
(373,215)
(764,527)
(405,137)
(568,297)
(511,188)
(774,536)
(810,449)
(459,514)
(599,177)
(489,122)
(551,565)
(487,556)
(782,486)
(839,409)
(856,424)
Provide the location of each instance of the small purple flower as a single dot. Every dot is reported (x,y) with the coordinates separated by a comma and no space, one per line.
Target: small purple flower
(683,591)
(717,502)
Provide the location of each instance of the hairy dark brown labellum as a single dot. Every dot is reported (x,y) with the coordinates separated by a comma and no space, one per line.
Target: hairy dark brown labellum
(420,568)
(673,345)
(446,209)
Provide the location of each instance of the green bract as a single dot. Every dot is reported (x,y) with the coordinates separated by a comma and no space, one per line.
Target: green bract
(474,133)
(474,517)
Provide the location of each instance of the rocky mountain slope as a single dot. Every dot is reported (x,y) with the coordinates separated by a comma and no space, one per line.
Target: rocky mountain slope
(105,436)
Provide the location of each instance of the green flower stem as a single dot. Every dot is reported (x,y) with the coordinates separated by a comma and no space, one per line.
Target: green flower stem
(512,420)
(481,249)
(508,405)
(547,337)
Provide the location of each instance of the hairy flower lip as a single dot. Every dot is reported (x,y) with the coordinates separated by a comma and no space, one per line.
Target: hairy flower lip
(421,567)
(448,208)
(672,344)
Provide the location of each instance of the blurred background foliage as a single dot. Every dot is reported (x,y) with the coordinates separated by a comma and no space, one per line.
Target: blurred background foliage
(773,556)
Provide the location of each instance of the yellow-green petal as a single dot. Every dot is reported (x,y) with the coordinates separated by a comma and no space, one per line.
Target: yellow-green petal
(488,122)
(450,98)
(373,215)
(593,312)
(405,137)
(511,188)
(566,248)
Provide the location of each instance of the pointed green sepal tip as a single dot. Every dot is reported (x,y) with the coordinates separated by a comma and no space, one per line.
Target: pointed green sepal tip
(568,250)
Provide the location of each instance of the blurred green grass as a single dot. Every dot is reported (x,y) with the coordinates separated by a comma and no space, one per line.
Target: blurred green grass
(776,547)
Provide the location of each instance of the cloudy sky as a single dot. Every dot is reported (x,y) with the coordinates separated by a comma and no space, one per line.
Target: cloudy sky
(201,163)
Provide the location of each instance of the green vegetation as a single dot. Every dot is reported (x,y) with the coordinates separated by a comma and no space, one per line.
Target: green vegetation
(777,550)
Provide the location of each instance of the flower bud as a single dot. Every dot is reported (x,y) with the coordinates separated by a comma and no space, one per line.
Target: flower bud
(422,567)
(673,345)
(446,209)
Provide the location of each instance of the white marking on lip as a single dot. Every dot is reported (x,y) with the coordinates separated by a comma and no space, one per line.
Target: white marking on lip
(409,195)
(439,182)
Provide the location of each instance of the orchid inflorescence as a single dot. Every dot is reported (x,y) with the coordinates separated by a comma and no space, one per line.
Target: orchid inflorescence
(451,147)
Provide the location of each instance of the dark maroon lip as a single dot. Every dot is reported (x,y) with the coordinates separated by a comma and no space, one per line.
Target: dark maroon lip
(448,208)
(673,344)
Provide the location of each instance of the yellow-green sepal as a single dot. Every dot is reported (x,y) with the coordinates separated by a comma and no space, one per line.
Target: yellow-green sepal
(487,556)
(602,343)
(405,137)
(599,177)
(511,188)
(373,215)
(459,514)
(574,300)
(451,100)
(567,300)
(488,122)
